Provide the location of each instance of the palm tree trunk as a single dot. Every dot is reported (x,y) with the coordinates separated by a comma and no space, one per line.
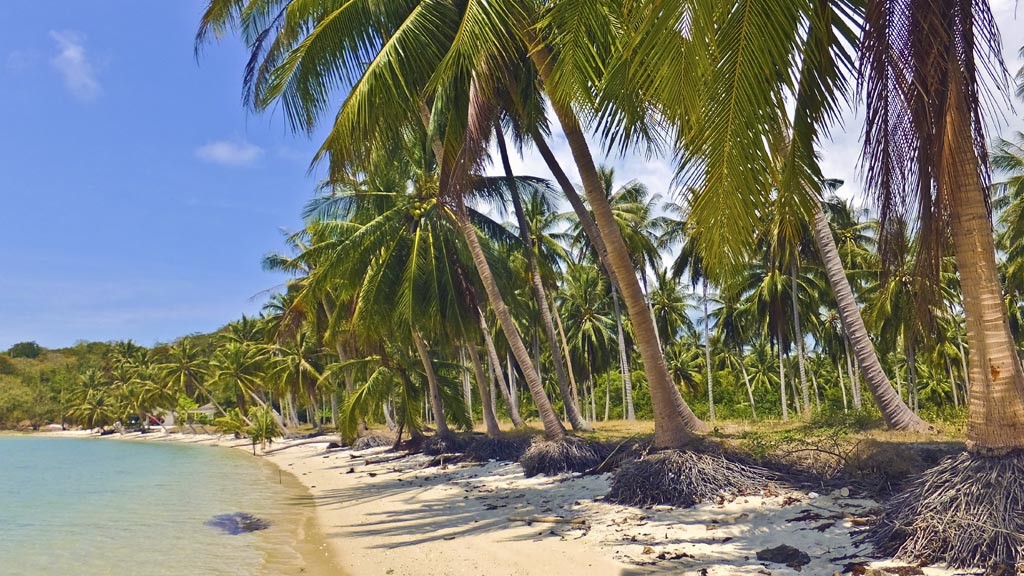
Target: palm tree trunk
(952,382)
(750,391)
(817,395)
(627,377)
(436,406)
(782,382)
(854,381)
(482,384)
(895,413)
(467,387)
(674,422)
(805,392)
(495,363)
(513,388)
(899,384)
(572,409)
(707,358)
(995,421)
(565,354)
(350,386)
(334,409)
(553,428)
(963,364)
(842,388)
(388,418)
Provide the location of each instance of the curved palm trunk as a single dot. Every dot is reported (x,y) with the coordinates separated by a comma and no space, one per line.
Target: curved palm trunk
(995,399)
(627,376)
(572,409)
(553,428)
(495,364)
(707,358)
(436,406)
(895,413)
(674,422)
(798,331)
(482,385)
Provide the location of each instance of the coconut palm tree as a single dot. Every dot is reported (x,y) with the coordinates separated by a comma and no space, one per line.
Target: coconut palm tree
(539,291)
(584,302)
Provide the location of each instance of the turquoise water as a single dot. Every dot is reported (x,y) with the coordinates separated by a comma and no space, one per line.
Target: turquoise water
(99,507)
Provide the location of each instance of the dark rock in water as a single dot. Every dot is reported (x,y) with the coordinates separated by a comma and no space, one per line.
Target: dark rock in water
(237,523)
(784,554)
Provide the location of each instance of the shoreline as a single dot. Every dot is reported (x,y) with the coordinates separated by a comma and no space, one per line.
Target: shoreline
(397,517)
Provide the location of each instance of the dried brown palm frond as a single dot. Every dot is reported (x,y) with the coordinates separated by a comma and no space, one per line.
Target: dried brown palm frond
(911,53)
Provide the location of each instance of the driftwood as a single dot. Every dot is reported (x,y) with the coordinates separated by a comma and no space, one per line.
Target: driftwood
(547,520)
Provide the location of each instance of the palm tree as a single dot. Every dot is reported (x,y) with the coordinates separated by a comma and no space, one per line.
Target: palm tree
(420,73)
(539,291)
(584,301)
(948,166)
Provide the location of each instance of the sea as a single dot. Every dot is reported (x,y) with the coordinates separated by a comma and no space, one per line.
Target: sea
(101,507)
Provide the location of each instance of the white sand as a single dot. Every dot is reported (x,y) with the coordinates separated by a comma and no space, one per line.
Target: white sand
(400,518)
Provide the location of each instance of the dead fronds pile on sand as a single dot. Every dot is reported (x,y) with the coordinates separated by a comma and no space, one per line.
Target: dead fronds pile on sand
(967,511)
(683,478)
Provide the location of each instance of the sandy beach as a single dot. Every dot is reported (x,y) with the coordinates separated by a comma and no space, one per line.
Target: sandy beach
(405,517)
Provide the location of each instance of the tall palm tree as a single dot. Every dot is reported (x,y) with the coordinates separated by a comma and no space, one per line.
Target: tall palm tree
(946,170)
(539,291)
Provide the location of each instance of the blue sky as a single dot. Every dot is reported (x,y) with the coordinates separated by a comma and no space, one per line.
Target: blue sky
(137,197)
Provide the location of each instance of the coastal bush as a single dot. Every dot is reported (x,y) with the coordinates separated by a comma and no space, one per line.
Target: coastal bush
(263,428)
(7,366)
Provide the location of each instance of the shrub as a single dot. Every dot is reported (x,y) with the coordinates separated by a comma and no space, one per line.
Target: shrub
(25,350)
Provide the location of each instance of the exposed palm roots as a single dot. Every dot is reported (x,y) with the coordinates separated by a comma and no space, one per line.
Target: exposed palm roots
(371,440)
(447,444)
(505,447)
(569,454)
(967,511)
(683,478)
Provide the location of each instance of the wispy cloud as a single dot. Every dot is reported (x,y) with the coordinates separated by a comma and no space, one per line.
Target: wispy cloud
(74,66)
(230,153)
(19,60)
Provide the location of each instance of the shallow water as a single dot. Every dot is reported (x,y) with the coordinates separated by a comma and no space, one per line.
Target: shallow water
(95,507)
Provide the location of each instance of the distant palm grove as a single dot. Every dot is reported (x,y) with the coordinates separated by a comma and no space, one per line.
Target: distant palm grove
(434,290)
